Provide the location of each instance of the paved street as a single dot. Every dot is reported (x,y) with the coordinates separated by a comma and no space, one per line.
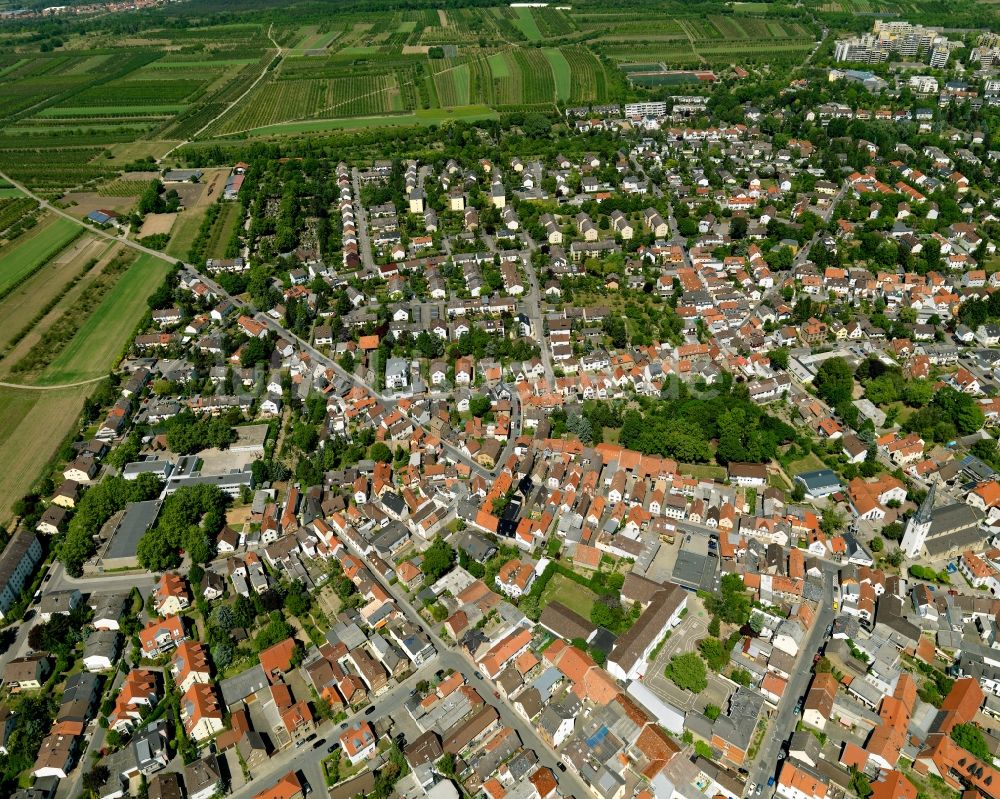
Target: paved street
(361,225)
(782,724)
(533,308)
(449,658)
(309,760)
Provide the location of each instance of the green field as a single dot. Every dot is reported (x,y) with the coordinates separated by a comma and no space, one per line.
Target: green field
(526,22)
(810,463)
(102,337)
(33,250)
(184,232)
(222,231)
(434,116)
(561,71)
(576,597)
(498,65)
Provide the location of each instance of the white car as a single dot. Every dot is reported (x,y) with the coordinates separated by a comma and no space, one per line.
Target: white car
(753,789)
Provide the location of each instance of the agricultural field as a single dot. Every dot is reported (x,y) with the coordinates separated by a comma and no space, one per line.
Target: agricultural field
(99,341)
(21,305)
(22,257)
(32,427)
(73,117)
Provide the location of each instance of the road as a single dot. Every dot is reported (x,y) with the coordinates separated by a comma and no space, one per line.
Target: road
(52,388)
(783,723)
(448,658)
(361,220)
(70,787)
(677,238)
(533,309)
(105,583)
(803,254)
(309,761)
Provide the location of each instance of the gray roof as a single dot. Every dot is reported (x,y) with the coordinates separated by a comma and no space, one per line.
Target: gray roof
(240,686)
(138,518)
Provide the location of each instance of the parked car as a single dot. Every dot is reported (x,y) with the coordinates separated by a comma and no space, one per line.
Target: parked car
(319,743)
(369,710)
(333,746)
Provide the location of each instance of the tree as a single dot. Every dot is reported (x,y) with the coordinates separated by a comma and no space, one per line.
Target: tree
(877,544)
(713,711)
(834,381)
(893,531)
(297,600)
(222,654)
(715,653)
(779,357)
(831,521)
(687,672)
(438,559)
(96,778)
(860,784)
(731,603)
(480,405)
(741,677)
(971,739)
(446,766)
(380,453)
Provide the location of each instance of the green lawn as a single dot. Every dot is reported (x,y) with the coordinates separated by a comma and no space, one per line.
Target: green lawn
(810,463)
(7,192)
(33,250)
(703,471)
(560,71)
(573,595)
(102,337)
(526,22)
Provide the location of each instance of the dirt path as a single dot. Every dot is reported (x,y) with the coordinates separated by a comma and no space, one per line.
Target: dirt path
(442,18)
(237,101)
(52,388)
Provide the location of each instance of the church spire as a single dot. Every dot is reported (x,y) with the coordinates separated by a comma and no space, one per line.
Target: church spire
(927,506)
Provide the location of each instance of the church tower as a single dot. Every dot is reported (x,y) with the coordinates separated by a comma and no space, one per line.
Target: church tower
(919,525)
